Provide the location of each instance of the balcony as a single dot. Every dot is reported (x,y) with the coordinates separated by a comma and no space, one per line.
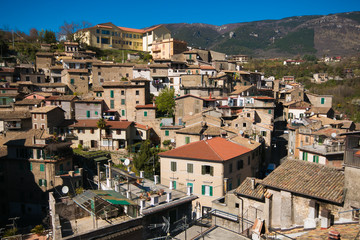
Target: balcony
(13,125)
(324,149)
(107,135)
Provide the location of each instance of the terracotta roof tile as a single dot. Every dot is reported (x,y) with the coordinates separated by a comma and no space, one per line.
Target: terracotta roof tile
(215,149)
(309,179)
(92,123)
(245,189)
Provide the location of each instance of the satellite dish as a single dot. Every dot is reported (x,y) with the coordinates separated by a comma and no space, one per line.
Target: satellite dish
(333,135)
(241,132)
(127,162)
(65,189)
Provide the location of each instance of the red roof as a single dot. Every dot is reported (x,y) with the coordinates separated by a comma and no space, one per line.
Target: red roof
(92,123)
(131,29)
(145,106)
(205,67)
(141,126)
(215,149)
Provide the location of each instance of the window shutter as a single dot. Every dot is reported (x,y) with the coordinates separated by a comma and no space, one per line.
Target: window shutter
(111,93)
(212,171)
(203,189)
(41,167)
(45,183)
(203,170)
(40,182)
(211,190)
(30,166)
(174,184)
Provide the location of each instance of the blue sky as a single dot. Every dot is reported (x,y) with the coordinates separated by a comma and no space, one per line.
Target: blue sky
(24,14)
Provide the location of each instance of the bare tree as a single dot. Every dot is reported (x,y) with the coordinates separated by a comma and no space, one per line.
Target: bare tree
(34,34)
(68,30)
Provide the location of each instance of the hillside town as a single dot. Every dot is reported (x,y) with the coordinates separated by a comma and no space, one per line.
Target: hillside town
(188,144)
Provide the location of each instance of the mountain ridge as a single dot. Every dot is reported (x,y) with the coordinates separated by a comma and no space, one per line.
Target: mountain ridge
(333,34)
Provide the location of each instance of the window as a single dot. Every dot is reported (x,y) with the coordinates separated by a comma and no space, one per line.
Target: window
(111,104)
(42,116)
(269,111)
(42,126)
(72,81)
(42,182)
(96,113)
(192,187)
(122,92)
(97,30)
(112,93)
(34,115)
(42,167)
(99,73)
(239,164)
(88,114)
(105,40)
(122,112)
(106,32)
(174,184)
(118,131)
(187,140)
(173,166)
(316,159)
(122,101)
(237,205)
(305,156)
(322,100)
(190,168)
(137,92)
(230,168)
(166,132)
(301,115)
(263,133)
(35,126)
(206,190)
(92,131)
(30,166)
(248,115)
(244,124)
(145,114)
(206,169)
(290,115)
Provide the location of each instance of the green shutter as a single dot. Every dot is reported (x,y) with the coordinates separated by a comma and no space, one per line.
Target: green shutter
(111,93)
(45,184)
(111,104)
(87,114)
(203,189)
(211,190)
(145,114)
(212,171)
(203,169)
(72,81)
(174,184)
(269,111)
(122,101)
(42,168)
(192,187)
(166,132)
(30,166)
(187,140)
(122,112)
(322,100)
(40,182)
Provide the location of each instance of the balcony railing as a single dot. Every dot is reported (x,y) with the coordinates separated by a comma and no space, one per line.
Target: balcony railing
(350,159)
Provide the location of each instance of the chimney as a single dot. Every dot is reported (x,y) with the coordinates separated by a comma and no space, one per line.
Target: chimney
(171,185)
(168,197)
(71,173)
(252,183)
(141,174)
(156,179)
(142,205)
(110,174)
(98,173)
(189,190)
(154,200)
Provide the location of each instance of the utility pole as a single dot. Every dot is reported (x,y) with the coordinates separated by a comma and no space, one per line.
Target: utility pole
(13,38)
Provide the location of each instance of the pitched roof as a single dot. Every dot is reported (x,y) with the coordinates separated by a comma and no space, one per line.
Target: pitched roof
(319,110)
(92,123)
(245,189)
(17,114)
(29,101)
(67,97)
(45,109)
(147,106)
(15,138)
(309,179)
(240,89)
(246,142)
(215,149)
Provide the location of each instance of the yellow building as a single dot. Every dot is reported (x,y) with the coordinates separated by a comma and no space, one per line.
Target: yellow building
(110,36)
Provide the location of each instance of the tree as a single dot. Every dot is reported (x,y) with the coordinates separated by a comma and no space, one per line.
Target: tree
(68,31)
(34,34)
(165,102)
(101,124)
(49,36)
(146,159)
